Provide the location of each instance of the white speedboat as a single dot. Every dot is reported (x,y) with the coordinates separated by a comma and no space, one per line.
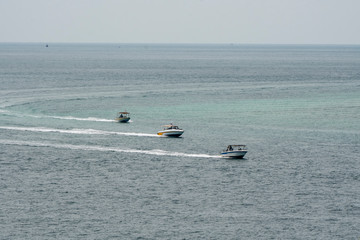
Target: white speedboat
(234,151)
(123,117)
(171,131)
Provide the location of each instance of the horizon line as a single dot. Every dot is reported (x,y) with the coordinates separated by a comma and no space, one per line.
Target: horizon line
(178,43)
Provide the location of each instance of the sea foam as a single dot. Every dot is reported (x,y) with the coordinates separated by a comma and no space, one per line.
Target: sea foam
(157,152)
(77,131)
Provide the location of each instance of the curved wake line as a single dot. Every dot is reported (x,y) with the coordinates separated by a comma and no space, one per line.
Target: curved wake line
(157,152)
(92,119)
(77,131)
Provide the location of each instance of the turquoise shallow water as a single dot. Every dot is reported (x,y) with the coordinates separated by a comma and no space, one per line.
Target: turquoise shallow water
(69,171)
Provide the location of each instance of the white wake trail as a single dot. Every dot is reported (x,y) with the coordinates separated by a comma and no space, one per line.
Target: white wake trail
(91,119)
(105,149)
(77,131)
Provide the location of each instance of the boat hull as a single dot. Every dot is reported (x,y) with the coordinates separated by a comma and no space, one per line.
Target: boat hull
(234,154)
(171,133)
(122,120)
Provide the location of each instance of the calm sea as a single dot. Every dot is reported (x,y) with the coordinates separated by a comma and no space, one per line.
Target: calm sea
(68,171)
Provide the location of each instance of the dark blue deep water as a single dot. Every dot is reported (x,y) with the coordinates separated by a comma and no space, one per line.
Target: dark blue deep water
(68,171)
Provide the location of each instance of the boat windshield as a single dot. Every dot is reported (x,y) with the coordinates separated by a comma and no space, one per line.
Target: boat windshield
(236,147)
(170,127)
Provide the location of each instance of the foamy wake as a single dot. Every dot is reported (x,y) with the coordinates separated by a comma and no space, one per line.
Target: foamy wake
(77,131)
(92,119)
(157,152)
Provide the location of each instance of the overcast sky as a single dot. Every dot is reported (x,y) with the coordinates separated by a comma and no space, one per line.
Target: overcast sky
(181,21)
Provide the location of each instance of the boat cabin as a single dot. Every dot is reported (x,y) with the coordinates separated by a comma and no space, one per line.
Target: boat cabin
(170,126)
(123,115)
(236,148)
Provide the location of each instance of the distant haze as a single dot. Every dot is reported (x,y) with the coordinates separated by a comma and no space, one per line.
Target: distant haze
(181,21)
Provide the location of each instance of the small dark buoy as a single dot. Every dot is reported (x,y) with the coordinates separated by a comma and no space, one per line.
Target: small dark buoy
(47,45)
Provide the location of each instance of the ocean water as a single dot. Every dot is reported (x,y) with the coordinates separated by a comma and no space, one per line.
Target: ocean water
(69,171)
